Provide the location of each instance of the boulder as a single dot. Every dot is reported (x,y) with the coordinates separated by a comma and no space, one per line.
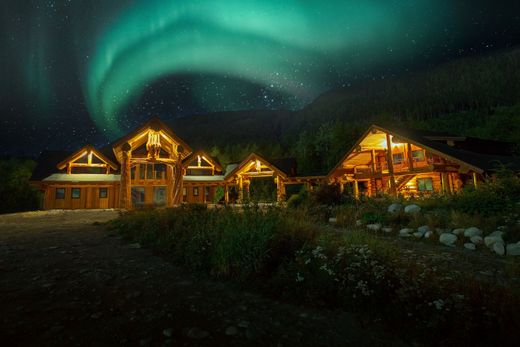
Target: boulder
(423,229)
(498,248)
(472,231)
(458,231)
(387,229)
(495,236)
(359,222)
(476,239)
(333,220)
(419,234)
(413,208)
(448,239)
(395,208)
(470,246)
(374,227)
(428,234)
(513,249)
(405,232)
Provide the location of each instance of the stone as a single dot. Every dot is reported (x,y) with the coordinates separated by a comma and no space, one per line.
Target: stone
(333,220)
(423,229)
(412,209)
(490,240)
(513,249)
(134,245)
(395,208)
(359,222)
(447,239)
(387,229)
(374,227)
(498,233)
(428,234)
(419,234)
(470,246)
(498,248)
(405,232)
(231,331)
(458,231)
(168,332)
(472,231)
(476,239)
(197,333)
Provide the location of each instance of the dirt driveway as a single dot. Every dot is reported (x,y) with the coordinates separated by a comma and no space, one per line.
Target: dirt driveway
(65,281)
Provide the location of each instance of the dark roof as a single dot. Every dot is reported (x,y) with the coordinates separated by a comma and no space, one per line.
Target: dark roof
(483,161)
(46,164)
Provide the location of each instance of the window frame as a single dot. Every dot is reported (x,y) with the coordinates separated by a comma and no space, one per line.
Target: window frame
(72,195)
(422,157)
(424,180)
(105,190)
(195,191)
(401,160)
(62,195)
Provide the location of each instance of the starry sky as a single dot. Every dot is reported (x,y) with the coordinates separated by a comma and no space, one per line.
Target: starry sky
(76,71)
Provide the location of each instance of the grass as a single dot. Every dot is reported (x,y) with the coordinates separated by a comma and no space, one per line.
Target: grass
(289,255)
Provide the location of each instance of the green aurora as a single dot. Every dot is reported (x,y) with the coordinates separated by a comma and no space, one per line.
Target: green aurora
(294,47)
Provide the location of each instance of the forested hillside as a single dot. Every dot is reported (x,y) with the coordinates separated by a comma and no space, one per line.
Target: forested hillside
(478,96)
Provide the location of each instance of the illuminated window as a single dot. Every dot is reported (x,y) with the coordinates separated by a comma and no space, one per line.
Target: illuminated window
(418,155)
(425,184)
(76,193)
(195,191)
(103,193)
(398,158)
(60,193)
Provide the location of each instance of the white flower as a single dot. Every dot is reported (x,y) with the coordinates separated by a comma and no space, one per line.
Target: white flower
(299,278)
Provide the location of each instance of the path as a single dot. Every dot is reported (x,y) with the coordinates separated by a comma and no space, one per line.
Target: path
(65,281)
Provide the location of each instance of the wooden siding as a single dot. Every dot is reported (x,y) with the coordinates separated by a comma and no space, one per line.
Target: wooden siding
(88,198)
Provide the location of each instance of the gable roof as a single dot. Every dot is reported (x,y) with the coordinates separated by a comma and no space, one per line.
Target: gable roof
(214,161)
(429,140)
(88,148)
(153,123)
(284,167)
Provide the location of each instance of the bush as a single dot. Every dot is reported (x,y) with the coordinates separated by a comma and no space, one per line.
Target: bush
(285,254)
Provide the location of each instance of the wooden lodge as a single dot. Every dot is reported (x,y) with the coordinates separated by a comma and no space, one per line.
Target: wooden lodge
(152,166)
(414,162)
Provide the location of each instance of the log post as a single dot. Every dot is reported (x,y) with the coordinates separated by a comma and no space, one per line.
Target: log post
(125,196)
(169,185)
(280,189)
(240,189)
(390,162)
(475,182)
(226,194)
(373,160)
(410,156)
(356,189)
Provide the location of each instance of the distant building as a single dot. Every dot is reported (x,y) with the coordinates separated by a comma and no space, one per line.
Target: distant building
(416,162)
(151,166)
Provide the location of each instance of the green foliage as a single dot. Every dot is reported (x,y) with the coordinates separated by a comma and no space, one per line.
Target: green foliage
(219,194)
(15,190)
(283,253)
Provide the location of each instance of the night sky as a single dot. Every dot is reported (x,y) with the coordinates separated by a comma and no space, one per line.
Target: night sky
(75,71)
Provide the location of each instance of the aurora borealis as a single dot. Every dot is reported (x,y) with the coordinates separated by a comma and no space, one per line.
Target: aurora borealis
(96,68)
